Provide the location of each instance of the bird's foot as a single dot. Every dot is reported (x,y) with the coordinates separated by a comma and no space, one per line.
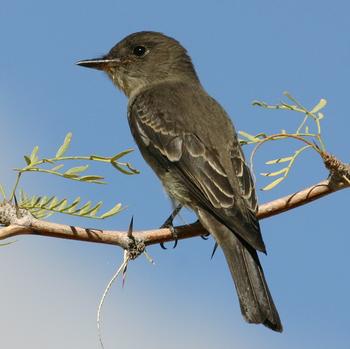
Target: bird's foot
(206,237)
(169,224)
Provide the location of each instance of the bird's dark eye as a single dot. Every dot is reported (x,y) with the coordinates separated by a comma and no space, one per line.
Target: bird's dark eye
(139,51)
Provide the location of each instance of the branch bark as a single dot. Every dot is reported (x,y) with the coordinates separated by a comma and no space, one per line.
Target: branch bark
(26,224)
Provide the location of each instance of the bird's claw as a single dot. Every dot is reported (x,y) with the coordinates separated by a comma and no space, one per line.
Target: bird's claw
(169,224)
(173,233)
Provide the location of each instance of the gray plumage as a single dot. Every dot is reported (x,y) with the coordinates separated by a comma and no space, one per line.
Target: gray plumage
(190,143)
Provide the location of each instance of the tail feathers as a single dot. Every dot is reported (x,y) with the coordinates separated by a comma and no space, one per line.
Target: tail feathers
(254,296)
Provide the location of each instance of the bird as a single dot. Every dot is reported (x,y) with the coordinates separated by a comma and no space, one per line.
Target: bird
(191,144)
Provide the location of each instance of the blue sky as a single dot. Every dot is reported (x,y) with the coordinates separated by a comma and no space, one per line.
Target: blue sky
(242,50)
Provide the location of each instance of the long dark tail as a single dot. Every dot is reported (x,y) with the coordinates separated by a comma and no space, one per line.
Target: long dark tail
(254,296)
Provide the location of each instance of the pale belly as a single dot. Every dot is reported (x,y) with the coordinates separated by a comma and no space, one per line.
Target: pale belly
(176,189)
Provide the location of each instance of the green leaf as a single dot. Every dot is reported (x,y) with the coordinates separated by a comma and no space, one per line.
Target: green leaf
(85,208)
(133,170)
(48,202)
(320,116)
(40,213)
(120,168)
(93,179)
(53,203)
(33,155)
(93,211)
(57,168)
(121,154)
(27,160)
(288,106)
(73,205)
(2,191)
(320,105)
(279,160)
(42,201)
(112,211)
(63,148)
(249,136)
(48,160)
(43,206)
(34,200)
(261,135)
(258,104)
(70,175)
(75,170)
(60,205)
(272,174)
(273,184)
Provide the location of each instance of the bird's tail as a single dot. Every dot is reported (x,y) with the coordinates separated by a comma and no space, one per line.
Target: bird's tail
(254,296)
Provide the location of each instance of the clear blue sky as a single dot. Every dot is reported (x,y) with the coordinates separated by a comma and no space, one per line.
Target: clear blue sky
(242,50)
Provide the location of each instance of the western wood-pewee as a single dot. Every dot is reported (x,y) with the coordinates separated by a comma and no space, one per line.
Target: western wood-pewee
(190,143)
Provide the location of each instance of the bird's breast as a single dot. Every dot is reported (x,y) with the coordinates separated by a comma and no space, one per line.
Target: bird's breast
(176,189)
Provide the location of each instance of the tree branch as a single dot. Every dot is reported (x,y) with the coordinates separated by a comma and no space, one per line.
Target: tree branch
(20,222)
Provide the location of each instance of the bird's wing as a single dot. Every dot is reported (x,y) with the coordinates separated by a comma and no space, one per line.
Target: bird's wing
(245,180)
(174,146)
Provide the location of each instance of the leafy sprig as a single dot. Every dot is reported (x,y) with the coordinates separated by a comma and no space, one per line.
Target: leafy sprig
(311,139)
(44,206)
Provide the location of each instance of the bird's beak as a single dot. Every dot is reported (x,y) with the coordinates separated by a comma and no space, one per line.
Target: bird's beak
(98,63)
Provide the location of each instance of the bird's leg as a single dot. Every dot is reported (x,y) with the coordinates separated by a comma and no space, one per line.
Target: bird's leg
(169,224)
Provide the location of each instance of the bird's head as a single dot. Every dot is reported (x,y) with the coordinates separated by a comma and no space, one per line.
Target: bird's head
(142,59)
